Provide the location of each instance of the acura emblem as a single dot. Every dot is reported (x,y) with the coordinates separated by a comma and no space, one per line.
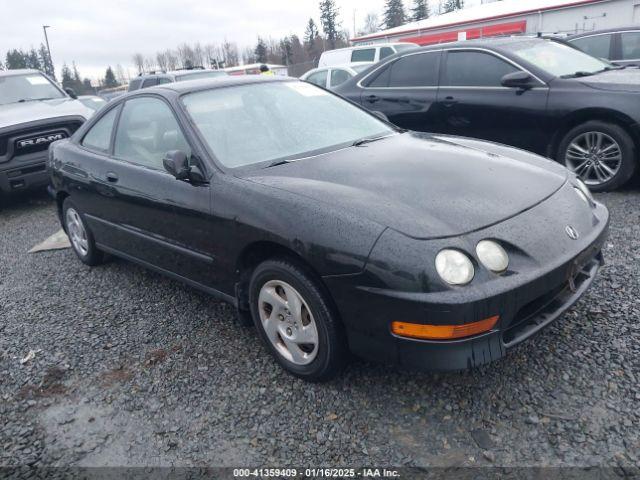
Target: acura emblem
(573,234)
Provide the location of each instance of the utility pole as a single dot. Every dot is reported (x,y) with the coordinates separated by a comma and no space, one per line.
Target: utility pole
(46,39)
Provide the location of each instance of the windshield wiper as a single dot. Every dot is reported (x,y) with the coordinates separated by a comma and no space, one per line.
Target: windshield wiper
(278,162)
(366,140)
(22,100)
(578,74)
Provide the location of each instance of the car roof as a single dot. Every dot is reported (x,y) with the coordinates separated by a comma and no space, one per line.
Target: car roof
(600,32)
(495,42)
(211,83)
(19,71)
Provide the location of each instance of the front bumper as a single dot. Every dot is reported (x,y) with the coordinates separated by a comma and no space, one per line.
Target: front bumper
(21,174)
(541,287)
(486,348)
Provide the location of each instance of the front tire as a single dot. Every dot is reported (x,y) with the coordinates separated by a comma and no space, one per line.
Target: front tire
(296,320)
(80,236)
(602,154)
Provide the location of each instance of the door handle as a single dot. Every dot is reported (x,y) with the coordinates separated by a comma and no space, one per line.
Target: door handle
(449,102)
(372,98)
(112,177)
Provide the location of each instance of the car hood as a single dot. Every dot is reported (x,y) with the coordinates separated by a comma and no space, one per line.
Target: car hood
(425,186)
(16,113)
(625,80)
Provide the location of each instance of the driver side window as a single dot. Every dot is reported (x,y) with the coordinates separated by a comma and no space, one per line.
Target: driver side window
(147,130)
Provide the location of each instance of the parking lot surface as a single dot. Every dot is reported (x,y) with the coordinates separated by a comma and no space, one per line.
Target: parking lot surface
(130,368)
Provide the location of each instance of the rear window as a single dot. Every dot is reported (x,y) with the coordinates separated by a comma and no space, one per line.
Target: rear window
(386,52)
(135,84)
(631,46)
(363,55)
(598,46)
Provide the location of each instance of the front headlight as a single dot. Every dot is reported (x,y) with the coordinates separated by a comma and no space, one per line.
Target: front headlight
(454,267)
(492,256)
(583,191)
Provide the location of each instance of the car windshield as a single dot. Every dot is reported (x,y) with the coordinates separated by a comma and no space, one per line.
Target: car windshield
(26,88)
(277,121)
(197,75)
(558,59)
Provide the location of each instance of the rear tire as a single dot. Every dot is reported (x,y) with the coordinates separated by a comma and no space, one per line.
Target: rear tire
(296,320)
(602,154)
(80,235)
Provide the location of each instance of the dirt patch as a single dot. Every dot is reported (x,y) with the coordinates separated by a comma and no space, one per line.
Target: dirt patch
(117,375)
(155,357)
(50,385)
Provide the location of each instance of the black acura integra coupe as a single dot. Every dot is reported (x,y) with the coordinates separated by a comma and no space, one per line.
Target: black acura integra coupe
(332,229)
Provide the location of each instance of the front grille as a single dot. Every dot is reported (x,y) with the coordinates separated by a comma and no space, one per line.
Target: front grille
(10,141)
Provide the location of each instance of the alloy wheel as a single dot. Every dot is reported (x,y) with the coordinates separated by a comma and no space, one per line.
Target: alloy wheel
(288,322)
(595,157)
(77,232)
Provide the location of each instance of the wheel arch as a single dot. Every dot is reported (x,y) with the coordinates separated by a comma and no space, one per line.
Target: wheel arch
(589,114)
(256,253)
(60,198)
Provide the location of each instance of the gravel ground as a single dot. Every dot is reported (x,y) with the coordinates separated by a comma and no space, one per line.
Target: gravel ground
(133,369)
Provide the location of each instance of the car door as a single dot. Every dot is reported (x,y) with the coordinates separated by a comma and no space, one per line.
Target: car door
(405,90)
(472,101)
(144,212)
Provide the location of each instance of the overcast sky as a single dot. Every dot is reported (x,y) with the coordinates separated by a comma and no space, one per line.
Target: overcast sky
(96,34)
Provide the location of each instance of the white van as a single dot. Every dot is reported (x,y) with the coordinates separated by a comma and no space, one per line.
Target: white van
(363,53)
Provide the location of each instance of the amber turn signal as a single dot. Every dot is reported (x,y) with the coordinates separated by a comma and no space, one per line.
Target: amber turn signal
(443,332)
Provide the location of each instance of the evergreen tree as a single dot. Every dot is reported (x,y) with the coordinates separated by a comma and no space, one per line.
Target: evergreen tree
(110,78)
(16,59)
(420,10)
(311,33)
(394,14)
(329,21)
(261,51)
(452,5)
(45,61)
(32,60)
(67,77)
(286,50)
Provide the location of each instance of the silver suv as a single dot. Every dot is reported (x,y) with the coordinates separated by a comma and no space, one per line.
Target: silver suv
(158,78)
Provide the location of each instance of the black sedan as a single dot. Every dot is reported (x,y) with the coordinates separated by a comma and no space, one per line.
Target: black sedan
(538,94)
(332,230)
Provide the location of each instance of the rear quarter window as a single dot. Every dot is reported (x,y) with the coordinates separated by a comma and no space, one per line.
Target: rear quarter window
(363,55)
(99,136)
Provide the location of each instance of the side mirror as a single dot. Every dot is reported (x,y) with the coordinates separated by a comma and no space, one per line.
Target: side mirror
(518,80)
(177,164)
(380,115)
(71,92)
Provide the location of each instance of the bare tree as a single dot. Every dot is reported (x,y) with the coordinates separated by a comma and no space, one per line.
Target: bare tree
(230,54)
(138,61)
(371,23)
(161,60)
(172,59)
(120,76)
(186,56)
(149,64)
